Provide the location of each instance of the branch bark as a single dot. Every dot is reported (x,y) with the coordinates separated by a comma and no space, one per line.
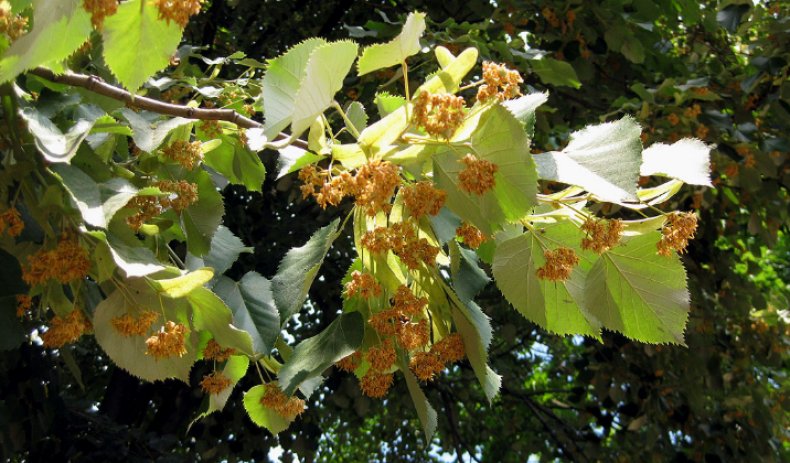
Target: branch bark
(97,85)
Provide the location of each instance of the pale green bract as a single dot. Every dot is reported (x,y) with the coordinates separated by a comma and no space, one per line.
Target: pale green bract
(384,55)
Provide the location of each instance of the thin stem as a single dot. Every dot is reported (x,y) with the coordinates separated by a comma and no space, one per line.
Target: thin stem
(350,125)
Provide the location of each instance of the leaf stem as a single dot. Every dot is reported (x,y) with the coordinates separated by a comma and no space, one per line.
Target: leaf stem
(350,125)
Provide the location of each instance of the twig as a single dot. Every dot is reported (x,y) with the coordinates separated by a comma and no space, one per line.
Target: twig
(95,84)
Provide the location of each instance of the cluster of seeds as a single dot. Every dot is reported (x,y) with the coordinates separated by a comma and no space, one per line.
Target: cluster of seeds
(178,11)
(12,25)
(169,341)
(362,284)
(500,82)
(185,153)
(213,351)
(127,325)
(215,382)
(11,222)
(559,264)
(66,263)
(438,114)
(423,198)
(602,235)
(471,235)
(372,186)
(426,365)
(401,238)
(275,399)
(478,175)
(66,330)
(100,9)
(23,304)
(677,232)
(183,194)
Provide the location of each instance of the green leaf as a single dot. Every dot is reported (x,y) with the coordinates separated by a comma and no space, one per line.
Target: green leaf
(475,329)
(292,159)
(387,103)
(357,115)
(54,145)
(314,355)
(425,411)
(129,253)
(128,352)
(281,82)
(687,159)
(235,369)
(211,314)
(59,29)
(498,138)
(238,164)
(224,251)
(260,415)
(384,55)
(633,290)
(253,308)
(201,220)
(524,107)
(97,202)
(604,159)
(557,306)
(326,69)
(633,50)
(148,131)
(449,78)
(298,269)
(137,44)
(554,72)
(181,286)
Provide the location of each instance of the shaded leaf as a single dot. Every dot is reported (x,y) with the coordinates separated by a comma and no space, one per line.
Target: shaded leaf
(210,313)
(253,308)
(148,131)
(260,415)
(97,202)
(384,55)
(554,72)
(238,164)
(53,144)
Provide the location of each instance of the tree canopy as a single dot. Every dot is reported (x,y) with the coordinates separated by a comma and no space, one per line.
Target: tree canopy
(422,232)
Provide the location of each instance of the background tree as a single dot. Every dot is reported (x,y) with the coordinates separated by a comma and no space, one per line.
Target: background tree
(714,71)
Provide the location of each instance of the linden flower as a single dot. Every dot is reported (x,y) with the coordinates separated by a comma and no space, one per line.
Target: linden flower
(679,229)
(215,383)
(602,235)
(363,284)
(169,342)
(66,263)
(127,325)
(66,330)
(214,351)
(23,304)
(350,363)
(559,264)
(407,303)
(11,222)
(450,349)
(401,238)
(478,176)
(374,186)
(423,198)
(185,153)
(383,357)
(425,365)
(12,25)
(178,11)
(375,385)
(185,194)
(275,399)
(438,114)
(412,335)
(100,9)
(500,82)
(471,235)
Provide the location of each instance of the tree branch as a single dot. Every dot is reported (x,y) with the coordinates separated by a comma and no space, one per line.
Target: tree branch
(97,85)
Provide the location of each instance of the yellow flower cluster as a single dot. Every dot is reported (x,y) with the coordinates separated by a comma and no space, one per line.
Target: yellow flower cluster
(551,17)
(66,263)
(178,11)
(372,186)
(127,325)
(287,407)
(693,111)
(66,330)
(183,194)
(438,114)
(23,304)
(602,235)
(170,341)
(559,264)
(12,25)
(212,129)
(376,385)
(350,363)
(677,232)
(215,382)
(100,9)
(425,365)
(213,351)
(185,153)
(471,235)
(363,284)
(401,238)
(11,222)
(422,198)
(381,357)
(500,82)
(398,320)
(478,176)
